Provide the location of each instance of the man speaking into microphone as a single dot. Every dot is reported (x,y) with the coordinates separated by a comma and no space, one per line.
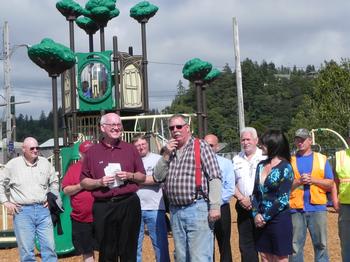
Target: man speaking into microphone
(192,209)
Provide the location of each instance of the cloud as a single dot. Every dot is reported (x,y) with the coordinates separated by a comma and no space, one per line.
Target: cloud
(290,32)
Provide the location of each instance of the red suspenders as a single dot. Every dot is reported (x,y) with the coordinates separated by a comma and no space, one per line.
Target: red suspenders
(198,173)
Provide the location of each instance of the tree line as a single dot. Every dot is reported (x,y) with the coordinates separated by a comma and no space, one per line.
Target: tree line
(274,97)
(280,98)
(41,129)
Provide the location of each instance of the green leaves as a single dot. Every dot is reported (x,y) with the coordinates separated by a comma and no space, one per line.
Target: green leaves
(326,104)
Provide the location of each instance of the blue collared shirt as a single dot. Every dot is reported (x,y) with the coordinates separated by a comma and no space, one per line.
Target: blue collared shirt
(227,178)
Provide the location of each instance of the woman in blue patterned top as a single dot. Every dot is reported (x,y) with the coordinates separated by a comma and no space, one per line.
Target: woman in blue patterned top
(273,182)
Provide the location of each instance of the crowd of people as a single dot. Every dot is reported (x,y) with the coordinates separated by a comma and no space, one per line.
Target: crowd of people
(119,191)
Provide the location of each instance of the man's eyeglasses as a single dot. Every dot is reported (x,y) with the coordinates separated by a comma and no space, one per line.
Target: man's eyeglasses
(179,127)
(34,147)
(114,125)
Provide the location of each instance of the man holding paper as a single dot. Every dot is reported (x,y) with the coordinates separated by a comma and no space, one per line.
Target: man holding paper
(112,169)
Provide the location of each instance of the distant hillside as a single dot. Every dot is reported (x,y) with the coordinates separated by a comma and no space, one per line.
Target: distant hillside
(280,98)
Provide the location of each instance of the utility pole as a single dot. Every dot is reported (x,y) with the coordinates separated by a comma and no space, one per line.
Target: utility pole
(9,100)
(238,76)
(7,87)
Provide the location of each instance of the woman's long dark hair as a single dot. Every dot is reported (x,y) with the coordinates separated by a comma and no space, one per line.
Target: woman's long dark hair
(276,144)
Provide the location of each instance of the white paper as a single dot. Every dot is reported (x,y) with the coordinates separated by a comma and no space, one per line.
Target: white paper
(111,170)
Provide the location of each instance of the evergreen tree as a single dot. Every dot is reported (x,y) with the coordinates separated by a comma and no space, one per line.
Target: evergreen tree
(327,103)
(181,90)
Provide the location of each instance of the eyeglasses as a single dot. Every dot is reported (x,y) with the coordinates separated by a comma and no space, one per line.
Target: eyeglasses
(34,147)
(179,127)
(113,125)
(140,145)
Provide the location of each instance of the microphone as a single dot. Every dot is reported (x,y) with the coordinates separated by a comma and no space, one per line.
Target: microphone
(172,155)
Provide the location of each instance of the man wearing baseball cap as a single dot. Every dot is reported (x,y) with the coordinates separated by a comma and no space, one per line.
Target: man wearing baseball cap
(313,178)
(81,202)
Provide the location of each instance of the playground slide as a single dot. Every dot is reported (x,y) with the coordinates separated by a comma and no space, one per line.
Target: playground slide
(63,242)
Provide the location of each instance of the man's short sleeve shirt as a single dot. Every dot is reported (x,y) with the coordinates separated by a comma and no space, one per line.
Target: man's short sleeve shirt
(151,196)
(82,201)
(304,164)
(100,155)
(245,170)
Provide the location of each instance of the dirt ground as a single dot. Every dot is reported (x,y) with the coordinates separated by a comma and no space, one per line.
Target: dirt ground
(10,255)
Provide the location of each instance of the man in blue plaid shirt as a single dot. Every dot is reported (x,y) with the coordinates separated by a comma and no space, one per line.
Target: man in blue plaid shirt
(192,213)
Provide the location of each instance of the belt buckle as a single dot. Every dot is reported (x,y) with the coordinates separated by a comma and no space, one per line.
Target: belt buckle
(115,199)
(119,198)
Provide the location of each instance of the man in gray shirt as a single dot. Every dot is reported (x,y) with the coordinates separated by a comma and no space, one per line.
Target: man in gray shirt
(152,204)
(24,184)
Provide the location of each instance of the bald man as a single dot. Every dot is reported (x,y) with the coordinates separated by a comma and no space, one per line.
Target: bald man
(222,227)
(29,178)
(112,170)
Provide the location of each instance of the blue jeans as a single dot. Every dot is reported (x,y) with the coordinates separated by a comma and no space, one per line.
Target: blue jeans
(156,226)
(193,236)
(316,222)
(344,231)
(34,221)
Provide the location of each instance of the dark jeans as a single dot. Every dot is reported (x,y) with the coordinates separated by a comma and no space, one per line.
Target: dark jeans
(246,230)
(117,226)
(82,237)
(222,232)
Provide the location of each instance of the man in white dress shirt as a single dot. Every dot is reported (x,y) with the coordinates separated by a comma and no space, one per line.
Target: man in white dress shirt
(245,164)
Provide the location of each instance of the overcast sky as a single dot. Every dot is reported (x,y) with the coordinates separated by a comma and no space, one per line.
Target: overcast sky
(290,32)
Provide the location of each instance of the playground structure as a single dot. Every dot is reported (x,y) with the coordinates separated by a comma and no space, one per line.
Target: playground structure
(314,131)
(95,83)
(92,84)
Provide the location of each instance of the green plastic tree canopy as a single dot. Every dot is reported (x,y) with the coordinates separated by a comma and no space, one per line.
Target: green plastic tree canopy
(87,24)
(143,11)
(70,8)
(212,75)
(101,11)
(51,56)
(196,69)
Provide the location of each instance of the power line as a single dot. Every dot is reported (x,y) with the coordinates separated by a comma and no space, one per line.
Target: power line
(181,64)
(165,63)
